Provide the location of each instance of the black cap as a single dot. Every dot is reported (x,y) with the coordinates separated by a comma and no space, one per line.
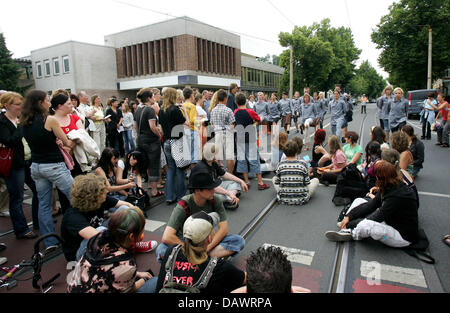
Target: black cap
(201,178)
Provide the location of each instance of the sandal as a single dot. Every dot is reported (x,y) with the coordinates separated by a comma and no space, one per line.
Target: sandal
(263,186)
(446,240)
(158,194)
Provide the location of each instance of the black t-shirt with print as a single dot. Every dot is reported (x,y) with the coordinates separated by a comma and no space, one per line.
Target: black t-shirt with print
(74,221)
(225,278)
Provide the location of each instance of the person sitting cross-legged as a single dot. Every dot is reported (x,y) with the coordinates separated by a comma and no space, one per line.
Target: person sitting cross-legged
(291,180)
(203,185)
(230,189)
(87,216)
(108,266)
(198,233)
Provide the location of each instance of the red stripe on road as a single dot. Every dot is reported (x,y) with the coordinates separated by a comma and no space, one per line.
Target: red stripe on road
(361,286)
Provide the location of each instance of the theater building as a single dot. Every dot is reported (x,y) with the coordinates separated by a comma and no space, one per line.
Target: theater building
(174,53)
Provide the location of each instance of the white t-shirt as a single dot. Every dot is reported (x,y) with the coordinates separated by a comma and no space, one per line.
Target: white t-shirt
(200,111)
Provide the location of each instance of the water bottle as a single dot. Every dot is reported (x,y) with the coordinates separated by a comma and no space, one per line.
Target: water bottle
(134,180)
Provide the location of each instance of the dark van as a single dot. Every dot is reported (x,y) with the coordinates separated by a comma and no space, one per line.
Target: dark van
(416,99)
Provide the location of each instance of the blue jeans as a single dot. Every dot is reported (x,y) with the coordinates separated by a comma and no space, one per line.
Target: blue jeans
(175,180)
(232,242)
(128,140)
(14,184)
(248,158)
(45,176)
(149,286)
(195,147)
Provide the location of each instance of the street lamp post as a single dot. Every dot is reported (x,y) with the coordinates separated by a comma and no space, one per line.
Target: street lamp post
(430,49)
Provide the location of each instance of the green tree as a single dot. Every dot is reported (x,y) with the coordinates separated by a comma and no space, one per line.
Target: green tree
(403,39)
(323,56)
(276,59)
(367,81)
(9,71)
(265,59)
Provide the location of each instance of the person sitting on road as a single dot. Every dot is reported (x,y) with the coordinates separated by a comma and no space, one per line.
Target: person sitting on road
(291,180)
(373,155)
(391,217)
(353,151)
(230,189)
(198,233)
(269,271)
(378,134)
(328,174)
(392,156)
(134,165)
(299,142)
(320,156)
(107,168)
(417,150)
(87,216)
(108,265)
(203,185)
(400,142)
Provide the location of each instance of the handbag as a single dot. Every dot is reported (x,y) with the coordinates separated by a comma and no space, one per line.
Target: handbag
(67,158)
(140,198)
(177,152)
(6,156)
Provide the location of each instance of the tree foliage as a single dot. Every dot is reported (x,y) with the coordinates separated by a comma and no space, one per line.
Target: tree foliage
(402,35)
(323,56)
(366,81)
(9,71)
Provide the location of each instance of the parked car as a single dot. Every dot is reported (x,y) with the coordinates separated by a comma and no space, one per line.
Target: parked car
(416,99)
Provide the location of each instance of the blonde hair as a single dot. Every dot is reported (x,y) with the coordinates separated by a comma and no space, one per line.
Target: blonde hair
(61,92)
(9,98)
(388,87)
(214,101)
(195,254)
(398,89)
(86,192)
(169,98)
(180,95)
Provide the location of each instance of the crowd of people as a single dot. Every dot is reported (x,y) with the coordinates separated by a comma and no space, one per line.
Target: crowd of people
(199,151)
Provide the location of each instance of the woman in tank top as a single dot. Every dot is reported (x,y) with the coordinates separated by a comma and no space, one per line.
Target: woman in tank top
(48,167)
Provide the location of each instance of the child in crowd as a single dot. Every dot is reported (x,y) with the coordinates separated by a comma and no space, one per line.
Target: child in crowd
(291,180)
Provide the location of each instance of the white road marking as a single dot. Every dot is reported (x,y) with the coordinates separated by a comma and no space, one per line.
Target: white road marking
(151,225)
(295,255)
(433,194)
(397,274)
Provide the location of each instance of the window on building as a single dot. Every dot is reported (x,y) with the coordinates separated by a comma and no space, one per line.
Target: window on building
(47,67)
(66,66)
(38,69)
(56,66)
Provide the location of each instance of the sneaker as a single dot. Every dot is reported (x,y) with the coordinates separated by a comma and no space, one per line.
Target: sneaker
(342,235)
(339,224)
(4,214)
(229,206)
(145,246)
(3,260)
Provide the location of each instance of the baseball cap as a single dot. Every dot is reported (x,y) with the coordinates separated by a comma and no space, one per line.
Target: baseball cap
(198,226)
(209,151)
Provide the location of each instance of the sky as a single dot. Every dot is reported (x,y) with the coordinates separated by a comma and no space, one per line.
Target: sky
(29,25)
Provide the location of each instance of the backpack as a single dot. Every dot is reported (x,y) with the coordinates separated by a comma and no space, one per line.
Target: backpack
(418,248)
(349,186)
(186,208)
(173,287)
